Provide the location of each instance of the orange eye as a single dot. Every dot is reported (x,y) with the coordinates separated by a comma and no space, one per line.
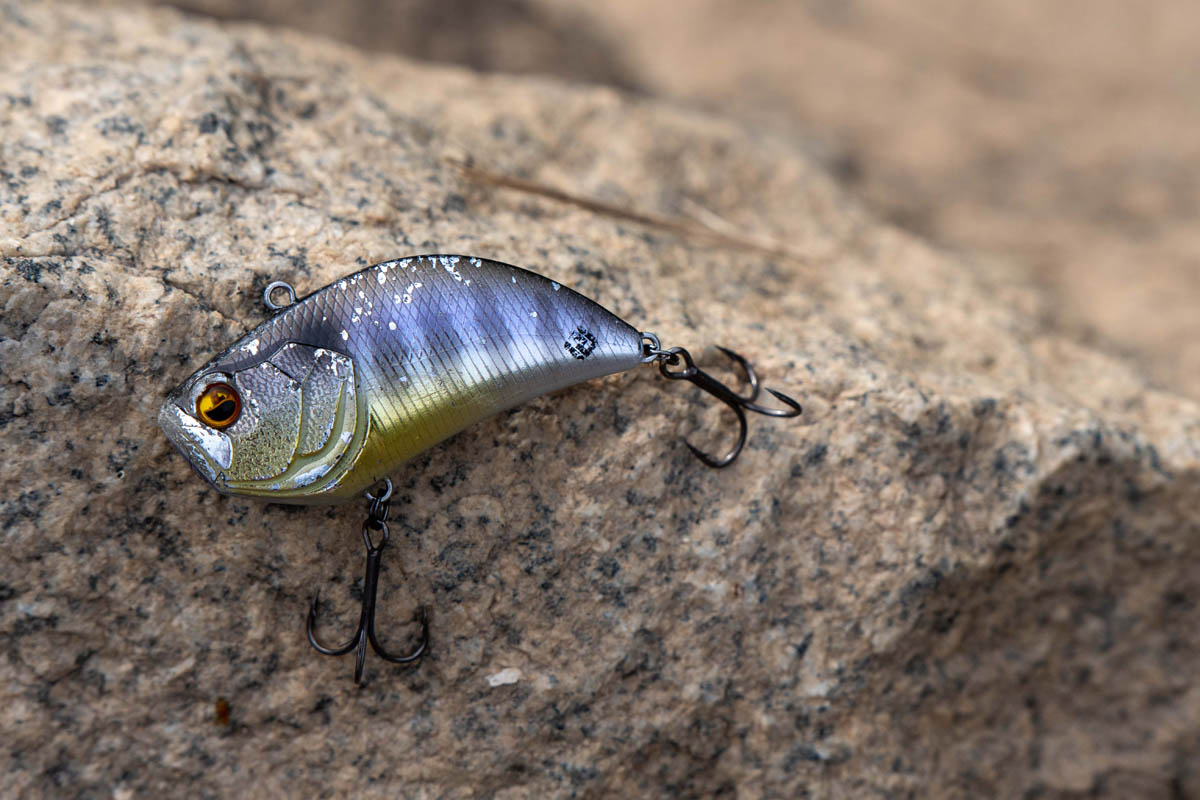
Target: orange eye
(218,406)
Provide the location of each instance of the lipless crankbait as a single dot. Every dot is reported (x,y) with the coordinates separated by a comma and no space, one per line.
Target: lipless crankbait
(337,389)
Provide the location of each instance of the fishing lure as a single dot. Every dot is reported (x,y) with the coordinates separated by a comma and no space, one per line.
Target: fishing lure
(335,390)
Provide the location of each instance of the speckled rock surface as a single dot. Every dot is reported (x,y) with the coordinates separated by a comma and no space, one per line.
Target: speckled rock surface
(1058,137)
(968,571)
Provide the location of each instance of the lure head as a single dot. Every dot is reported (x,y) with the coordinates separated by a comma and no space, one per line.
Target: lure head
(283,425)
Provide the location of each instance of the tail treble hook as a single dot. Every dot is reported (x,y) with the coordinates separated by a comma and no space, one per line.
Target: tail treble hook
(376,521)
(674,356)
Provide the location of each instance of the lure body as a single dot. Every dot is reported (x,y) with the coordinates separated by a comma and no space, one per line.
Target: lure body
(335,391)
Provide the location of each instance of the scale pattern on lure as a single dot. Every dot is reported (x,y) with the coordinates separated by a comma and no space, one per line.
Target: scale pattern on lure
(331,393)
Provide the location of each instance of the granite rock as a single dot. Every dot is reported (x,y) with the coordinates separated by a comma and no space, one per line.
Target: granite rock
(967,571)
(1057,136)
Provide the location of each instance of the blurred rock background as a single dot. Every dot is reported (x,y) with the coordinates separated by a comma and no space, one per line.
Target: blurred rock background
(1054,142)
(967,571)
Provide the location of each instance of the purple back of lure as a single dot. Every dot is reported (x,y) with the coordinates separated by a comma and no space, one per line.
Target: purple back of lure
(336,390)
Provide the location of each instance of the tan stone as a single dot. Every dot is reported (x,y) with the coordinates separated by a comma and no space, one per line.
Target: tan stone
(1057,136)
(967,571)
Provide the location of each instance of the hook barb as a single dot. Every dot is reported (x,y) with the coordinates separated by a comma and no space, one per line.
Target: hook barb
(739,403)
(376,521)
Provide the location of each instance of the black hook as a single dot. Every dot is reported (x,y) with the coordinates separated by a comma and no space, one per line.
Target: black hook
(377,521)
(738,403)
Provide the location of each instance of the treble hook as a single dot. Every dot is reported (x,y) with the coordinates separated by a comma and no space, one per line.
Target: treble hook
(739,404)
(377,521)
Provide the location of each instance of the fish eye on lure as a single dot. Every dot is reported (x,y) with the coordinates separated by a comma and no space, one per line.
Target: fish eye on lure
(335,390)
(218,405)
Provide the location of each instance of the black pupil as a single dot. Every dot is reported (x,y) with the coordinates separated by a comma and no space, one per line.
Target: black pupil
(222,411)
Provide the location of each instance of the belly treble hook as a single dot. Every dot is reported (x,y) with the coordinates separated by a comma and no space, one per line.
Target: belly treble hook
(376,522)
